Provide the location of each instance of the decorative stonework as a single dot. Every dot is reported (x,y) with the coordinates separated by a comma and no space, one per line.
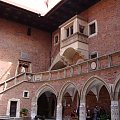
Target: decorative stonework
(114,110)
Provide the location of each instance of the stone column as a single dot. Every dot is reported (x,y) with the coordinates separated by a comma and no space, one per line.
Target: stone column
(33,110)
(59,111)
(82,111)
(114,110)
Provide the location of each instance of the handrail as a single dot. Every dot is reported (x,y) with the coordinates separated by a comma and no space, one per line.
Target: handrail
(102,62)
(12,78)
(9,83)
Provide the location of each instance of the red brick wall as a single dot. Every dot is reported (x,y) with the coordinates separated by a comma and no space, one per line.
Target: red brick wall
(79,81)
(14,40)
(55,48)
(107,14)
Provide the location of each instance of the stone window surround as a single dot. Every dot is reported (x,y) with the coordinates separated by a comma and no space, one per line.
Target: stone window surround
(69,28)
(27,94)
(92,53)
(18,107)
(96,28)
(57,34)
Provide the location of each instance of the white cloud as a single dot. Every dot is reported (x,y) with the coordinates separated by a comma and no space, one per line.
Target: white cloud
(37,6)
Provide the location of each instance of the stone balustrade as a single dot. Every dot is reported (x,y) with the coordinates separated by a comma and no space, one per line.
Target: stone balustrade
(91,65)
(6,85)
(76,37)
(102,62)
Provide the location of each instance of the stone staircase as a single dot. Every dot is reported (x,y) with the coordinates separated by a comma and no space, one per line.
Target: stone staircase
(14,81)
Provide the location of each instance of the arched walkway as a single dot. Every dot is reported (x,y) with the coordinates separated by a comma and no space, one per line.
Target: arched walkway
(46,105)
(69,98)
(95,99)
(44,102)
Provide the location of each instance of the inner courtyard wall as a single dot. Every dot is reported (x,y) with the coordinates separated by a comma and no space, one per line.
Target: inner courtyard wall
(108,75)
(14,41)
(106,13)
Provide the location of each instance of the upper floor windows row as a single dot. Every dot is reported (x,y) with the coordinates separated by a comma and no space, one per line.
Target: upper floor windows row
(77,24)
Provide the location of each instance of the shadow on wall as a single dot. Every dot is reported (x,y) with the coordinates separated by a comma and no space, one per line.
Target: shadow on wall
(5,68)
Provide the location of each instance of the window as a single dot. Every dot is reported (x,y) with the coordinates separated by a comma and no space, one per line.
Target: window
(93,55)
(56,39)
(26,94)
(92,28)
(69,31)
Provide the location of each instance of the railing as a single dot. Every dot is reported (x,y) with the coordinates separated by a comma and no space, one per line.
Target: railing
(103,62)
(15,81)
(74,38)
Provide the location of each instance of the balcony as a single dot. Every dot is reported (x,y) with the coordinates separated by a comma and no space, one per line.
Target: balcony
(74,34)
(76,37)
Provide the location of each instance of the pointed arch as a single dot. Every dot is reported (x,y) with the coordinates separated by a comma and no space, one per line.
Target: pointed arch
(44,88)
(91,83)
(64,87)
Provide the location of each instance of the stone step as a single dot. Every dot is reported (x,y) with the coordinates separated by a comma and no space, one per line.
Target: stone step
(4,118)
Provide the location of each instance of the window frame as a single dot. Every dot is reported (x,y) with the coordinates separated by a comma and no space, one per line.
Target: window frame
(69,29)
(17,110)
(96,28)
(55,40)
(92,53)
(24,94)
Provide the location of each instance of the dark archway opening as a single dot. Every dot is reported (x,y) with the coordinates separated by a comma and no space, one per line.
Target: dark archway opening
(70,105)
(98,107)
(46,105)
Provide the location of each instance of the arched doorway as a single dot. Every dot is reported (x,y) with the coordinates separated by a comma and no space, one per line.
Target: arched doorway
(98,104)
(96,98)
(70,102)
(46,105)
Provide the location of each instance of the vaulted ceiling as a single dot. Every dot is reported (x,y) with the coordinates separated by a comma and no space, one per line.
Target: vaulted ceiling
(63,11)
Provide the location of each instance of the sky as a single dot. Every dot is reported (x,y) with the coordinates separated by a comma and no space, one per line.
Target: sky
(37,6)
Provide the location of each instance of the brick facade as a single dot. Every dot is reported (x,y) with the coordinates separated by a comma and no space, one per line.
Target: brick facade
(41,50)
(14,40)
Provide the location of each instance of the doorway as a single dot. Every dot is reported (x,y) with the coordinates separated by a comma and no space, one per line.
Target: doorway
(46,105)
(13,108)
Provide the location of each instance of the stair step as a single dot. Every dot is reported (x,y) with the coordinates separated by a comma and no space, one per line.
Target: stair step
(4,117)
